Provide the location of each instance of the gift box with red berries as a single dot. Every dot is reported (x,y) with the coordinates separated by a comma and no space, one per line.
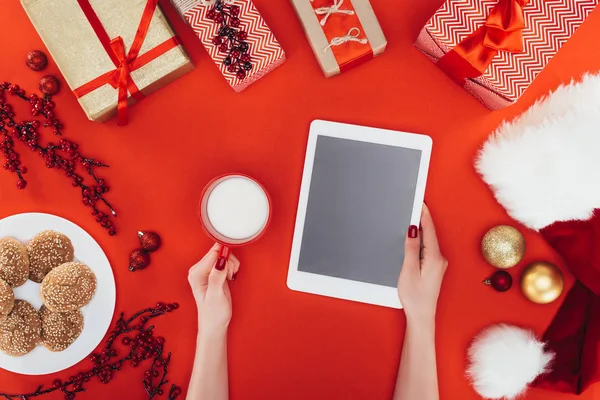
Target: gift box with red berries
(236,37)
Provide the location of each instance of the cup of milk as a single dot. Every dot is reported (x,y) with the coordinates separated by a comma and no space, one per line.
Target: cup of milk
(235,210)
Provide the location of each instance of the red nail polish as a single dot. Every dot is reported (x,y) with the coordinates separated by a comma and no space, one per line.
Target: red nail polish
(221,263)
(234,276)
(413,231)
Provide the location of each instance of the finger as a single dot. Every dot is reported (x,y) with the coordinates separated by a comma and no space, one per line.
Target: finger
(430,241)
(216,280)
(233,265)
(412,249)
(208,261)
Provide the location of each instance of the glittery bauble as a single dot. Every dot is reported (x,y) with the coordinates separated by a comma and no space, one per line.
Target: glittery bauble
(49,85)
(37,60)
(138,259)
(542,282)
(501,281)
(503,246)
(149,241)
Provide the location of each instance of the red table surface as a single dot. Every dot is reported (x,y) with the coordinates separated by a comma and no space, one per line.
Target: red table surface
(284,344)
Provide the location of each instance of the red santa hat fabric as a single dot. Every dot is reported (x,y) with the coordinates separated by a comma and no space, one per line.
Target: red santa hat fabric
(544,169)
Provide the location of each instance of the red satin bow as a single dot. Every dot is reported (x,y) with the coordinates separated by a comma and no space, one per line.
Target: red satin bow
(124,62)
(121,79)
(502,31)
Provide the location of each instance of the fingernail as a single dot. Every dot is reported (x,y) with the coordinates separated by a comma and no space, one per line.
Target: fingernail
(221,263)
(412,231)
(234,276)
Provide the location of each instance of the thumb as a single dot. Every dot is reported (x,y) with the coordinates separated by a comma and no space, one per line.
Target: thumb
(412,249)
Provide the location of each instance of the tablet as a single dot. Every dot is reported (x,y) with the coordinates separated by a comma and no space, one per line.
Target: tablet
(361,190)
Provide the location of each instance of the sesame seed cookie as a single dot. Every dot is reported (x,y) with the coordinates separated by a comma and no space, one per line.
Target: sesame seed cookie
(20,331)
(14,262)
(48,250)
(68,287)
(7,299)
(60,330)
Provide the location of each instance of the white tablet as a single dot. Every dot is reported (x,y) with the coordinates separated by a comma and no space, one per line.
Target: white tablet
(361,190)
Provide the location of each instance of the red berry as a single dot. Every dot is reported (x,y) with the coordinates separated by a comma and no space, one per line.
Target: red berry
(217,40)
(149,241)
(223,48)
(242,35)
(241,74)
(57,384)
(21,184)
(235,22)
(218,18)
(37,60)
(234,10)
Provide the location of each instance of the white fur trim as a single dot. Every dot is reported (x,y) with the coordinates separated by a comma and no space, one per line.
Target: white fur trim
(504,360)
(545,165)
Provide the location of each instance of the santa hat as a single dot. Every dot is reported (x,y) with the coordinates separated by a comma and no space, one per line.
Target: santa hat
(544,169)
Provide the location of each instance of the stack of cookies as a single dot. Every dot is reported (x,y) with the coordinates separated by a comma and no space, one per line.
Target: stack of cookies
(66,286)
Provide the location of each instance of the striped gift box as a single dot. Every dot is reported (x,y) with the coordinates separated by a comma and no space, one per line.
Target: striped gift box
(548,25)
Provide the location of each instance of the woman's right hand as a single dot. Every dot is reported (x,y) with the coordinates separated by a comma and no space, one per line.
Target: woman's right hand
(211,291)
(422,273)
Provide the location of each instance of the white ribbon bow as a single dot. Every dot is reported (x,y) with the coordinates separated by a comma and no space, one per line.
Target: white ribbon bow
(336,41)
(334,9)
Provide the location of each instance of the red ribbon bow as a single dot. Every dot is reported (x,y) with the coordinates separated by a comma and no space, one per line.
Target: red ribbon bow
(124,62)
(502,31)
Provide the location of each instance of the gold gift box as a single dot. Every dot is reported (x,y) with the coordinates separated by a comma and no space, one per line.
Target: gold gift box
(79,54)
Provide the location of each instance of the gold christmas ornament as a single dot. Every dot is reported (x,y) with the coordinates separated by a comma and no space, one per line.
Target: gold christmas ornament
(542,282)
(503,246)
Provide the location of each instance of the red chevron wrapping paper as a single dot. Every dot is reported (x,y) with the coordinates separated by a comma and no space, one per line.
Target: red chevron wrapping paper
(264,49)
(548,25)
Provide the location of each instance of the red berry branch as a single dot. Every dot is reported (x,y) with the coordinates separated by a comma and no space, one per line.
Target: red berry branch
(141,344)
(230,39)
(63,156)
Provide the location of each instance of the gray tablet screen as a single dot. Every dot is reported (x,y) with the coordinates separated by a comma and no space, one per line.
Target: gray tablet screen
(359,209)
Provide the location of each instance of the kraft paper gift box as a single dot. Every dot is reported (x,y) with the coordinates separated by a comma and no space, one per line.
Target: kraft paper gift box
(235,36)
(496,48)
(342,33)
(102,70)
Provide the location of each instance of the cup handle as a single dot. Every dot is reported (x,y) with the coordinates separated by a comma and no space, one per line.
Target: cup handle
(223,257)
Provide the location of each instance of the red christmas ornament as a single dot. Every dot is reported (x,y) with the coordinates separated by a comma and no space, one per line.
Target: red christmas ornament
(149,241)
(500,280)
(49,85)
(37,60)
(138,259)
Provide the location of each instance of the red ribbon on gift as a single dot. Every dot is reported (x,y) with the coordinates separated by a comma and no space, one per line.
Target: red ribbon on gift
(125,62)
(502,31)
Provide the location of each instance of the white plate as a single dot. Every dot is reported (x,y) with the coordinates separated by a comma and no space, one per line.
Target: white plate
(97,314)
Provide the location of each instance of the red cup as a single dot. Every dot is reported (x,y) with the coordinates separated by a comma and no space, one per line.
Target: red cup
(228,243)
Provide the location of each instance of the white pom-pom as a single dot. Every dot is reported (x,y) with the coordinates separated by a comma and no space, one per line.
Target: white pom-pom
(504,360)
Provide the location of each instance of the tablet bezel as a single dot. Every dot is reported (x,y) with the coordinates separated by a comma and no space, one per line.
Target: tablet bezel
(339,287)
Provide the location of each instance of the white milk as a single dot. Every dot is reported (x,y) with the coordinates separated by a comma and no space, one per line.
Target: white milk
(238,208)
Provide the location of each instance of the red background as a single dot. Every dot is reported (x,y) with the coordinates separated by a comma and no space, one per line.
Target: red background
(283,344)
